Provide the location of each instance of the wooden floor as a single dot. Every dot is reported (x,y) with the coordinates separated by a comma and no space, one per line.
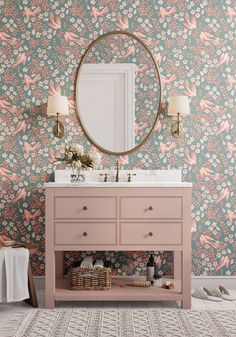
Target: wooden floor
(7,310)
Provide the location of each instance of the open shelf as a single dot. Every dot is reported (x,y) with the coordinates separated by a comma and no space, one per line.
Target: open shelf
(120,291)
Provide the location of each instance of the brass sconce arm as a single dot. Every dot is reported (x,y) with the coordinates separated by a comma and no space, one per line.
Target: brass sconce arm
(175,129)
(58,129)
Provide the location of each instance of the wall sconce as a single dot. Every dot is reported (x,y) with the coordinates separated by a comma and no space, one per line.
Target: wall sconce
(58,106)
(178,106)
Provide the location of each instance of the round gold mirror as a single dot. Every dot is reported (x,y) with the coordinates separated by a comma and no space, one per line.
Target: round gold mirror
(118,93)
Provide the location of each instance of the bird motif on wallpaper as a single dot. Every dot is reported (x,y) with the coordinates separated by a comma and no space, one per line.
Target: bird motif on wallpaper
(54,157)
(206,239)
(30,80)
(28,148)
(55,21)
(28,12)
(21,194)
(223,59)
(55,89)
(208,37)
(231,80)
(130,51)
(224,262)
(140,69)
(190,23)
(165,13)
(158,58)
(123,22)
(224,194)
(206,172)
(208,105)
(166,80)
(28,216)
(7,38)
(190,89)
(190,159)
(224,126)
(21,126)
(231,216)
(139,128)
(165,148)
(72,37)
(96,13)
(145,39)
(7,174)
(4,105)
(231,148)
(21,58)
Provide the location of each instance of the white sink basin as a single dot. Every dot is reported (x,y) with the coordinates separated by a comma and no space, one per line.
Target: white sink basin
(136,175)
(140,178)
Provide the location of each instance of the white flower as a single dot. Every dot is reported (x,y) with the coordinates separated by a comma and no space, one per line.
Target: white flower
(77,148)
(69,156)
(77,165)
(96,158)
(63,148)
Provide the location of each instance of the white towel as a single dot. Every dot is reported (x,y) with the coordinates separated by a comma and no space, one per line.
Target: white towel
(98,264)
(14,274)
(3,286)
(87,262)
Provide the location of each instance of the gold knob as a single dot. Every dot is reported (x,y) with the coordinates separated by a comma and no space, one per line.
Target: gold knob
(150,233)
(85,234)
(150,208)
(85,208)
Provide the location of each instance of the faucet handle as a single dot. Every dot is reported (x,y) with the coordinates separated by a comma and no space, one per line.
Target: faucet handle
(130,175)
(106,175)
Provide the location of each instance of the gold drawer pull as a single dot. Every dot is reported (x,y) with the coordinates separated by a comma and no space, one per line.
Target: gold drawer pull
(150,208)
(85,233)
(150,234)
(85,208)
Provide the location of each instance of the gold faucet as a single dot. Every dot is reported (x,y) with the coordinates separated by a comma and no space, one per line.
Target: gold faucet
(117,171)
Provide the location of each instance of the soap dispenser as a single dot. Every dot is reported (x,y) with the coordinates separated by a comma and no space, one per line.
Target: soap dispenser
(150,268)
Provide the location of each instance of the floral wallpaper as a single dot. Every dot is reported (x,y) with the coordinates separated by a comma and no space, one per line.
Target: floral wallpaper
(41,45)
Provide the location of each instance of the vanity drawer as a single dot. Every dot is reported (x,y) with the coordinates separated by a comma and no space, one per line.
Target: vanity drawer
(151,208)
(92,233)
(85,208)
(147,233)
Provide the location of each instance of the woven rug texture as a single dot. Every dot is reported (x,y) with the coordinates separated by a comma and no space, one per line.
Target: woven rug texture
(122,323)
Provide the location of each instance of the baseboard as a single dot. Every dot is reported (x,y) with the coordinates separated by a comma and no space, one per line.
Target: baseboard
(208,281)
(197,281)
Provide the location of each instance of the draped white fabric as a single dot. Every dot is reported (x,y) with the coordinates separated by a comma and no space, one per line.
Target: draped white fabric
(13,274)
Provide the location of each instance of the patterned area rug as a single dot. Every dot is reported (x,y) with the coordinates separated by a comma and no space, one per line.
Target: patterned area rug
(122,323)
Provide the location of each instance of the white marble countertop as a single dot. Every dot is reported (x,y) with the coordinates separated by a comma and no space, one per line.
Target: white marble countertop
(119,184)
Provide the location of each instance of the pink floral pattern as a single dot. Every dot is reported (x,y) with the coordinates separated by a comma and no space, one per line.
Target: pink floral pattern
(41,44)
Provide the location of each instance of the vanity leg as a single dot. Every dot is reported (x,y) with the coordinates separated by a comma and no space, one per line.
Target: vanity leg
(59,264)
(50,281)
(177,265)
(186,280)
(50,270)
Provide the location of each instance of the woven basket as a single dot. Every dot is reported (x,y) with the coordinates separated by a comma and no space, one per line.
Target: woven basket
(90,279)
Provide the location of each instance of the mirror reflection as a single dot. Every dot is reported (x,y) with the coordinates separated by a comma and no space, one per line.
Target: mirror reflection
(118,93)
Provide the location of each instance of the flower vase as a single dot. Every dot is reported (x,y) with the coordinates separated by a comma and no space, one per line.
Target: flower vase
(77,176)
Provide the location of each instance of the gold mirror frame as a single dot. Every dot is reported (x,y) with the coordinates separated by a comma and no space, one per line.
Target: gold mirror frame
(77,103)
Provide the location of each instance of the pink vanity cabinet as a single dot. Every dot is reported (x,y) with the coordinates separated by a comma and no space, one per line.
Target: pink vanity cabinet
(95,217)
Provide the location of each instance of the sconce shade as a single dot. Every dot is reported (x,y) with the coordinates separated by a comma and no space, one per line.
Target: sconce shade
(57,104)
(178,104)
